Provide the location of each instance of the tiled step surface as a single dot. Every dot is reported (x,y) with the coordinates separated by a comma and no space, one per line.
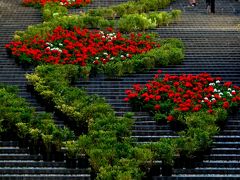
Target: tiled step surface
(212,45)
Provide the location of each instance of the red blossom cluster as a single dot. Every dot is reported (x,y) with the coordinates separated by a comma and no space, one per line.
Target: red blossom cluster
(184,93)
(81,46)
(67,3)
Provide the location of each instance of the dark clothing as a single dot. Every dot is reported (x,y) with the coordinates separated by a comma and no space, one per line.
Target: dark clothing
(211,3)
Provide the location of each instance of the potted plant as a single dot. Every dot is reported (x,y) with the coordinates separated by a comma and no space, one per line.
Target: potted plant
(113,70)
(34,142)
(71,154)
(187,146)
(23,132)
(82,157)
(48,146)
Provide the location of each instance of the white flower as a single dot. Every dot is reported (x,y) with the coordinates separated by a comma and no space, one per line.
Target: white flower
(127,55)
(57,49)
(215,90)
(202,101)
(219,90)
(229,89)
(212,95)
(220,94)
(105,53)
(112,58)
(122,56)
(211,84)
(217,81)
(61,3)
(206,98)
(103,36)
(96,57)
(213,99)
(60,44)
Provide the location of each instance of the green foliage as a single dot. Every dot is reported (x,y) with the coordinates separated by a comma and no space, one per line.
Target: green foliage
(22,121)
(175,13)
(113,69)
(165,150)
(126,8)
(53,10)
(141,22)
(135,22)
(171,52)
(107,13)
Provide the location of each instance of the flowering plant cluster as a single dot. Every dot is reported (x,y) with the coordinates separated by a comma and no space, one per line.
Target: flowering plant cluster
(81,46)
(67,3)
(172,95)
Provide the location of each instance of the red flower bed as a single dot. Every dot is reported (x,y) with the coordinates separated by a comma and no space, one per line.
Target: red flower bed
(67,3)
(81,46)
(174,94)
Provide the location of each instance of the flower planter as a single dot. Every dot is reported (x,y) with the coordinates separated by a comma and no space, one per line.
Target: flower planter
(8,135)
(34,148)
(23,64)
(136,107)
(47,156)
(83,162)
(179,162)
(190,162)
(93,174)
(113,78)
(167,169)
(23,143)
(177,125)
(9,52)
(154,170)
(58,156)
(161,122)
(71,163)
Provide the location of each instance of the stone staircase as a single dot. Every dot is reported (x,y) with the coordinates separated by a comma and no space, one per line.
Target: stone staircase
(212,45)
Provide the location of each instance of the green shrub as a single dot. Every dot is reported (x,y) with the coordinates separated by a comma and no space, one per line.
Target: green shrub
(135,22)
(175,13)
(53,10)
(107,13)
(126,8)
(176,56)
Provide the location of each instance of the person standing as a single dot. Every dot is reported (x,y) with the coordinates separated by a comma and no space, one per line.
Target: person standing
(193,2)
(210,6)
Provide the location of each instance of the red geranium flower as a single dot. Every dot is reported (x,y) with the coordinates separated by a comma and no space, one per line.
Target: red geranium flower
(170,118)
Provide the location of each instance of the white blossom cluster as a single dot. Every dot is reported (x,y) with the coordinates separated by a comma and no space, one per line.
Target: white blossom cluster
(229,92)
(69,1)
(51,47)
(108,36)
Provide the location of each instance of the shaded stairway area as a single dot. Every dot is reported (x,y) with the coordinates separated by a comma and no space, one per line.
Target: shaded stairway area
(212,45)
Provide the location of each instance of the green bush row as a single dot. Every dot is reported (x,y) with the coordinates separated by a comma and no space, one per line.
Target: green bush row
(67,22)
(53,85)
(130,7)
(193,141)
(55,15)
(171,52)
(107,142)
(19,120)
(142,22)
